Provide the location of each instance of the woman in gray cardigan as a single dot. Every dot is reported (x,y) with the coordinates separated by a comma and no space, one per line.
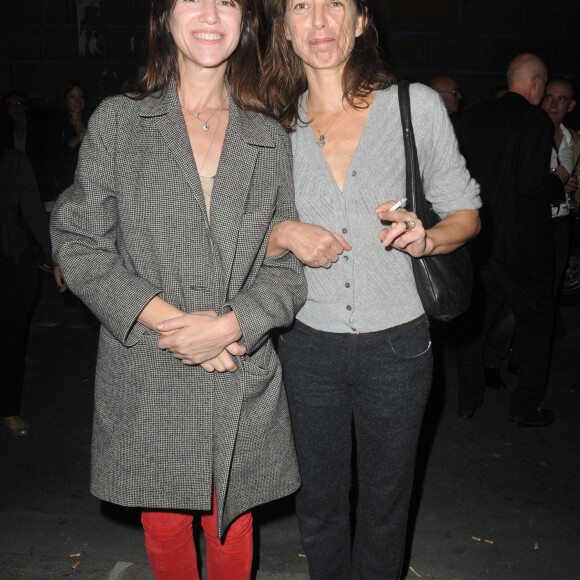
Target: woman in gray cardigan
(359,350)
(164,235)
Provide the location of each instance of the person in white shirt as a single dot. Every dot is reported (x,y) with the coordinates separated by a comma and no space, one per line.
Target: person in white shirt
(558,101)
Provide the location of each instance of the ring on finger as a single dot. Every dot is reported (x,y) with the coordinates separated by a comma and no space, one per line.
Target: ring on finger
(326,263)
(409,225)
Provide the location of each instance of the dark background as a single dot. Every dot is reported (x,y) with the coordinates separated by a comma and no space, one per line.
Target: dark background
(472,40)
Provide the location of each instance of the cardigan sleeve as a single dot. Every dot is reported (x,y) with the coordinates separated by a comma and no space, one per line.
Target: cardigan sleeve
(84,226)
(448,184)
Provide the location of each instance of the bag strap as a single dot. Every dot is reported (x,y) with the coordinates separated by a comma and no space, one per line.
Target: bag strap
(416,200)
(410,147)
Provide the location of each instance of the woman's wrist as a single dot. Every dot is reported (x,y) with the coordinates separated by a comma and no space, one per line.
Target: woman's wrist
(231,327)
(279,238)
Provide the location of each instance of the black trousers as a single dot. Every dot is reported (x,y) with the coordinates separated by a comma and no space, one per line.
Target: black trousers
(530,297)
(381,383)
(562,234)
(19,294)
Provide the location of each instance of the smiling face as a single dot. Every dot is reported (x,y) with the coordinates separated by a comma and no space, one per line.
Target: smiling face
(558,101)
(74,100)
(323,32)
(206,32)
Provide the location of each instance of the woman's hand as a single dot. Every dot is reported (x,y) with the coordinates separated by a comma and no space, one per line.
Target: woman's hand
(313,245)
(59,279)
(203,338)
(223,362)
(406,232)
(444,237)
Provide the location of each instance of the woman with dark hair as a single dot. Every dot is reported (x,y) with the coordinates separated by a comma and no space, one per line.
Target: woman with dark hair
(164,235)
(65,134)
(359,350)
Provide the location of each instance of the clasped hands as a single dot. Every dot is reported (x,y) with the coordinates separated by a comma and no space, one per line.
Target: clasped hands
(203,338)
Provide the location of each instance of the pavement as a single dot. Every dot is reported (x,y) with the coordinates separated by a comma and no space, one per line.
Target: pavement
(491,500)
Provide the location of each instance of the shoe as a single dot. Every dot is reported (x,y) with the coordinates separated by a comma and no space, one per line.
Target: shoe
(539,418)
(16,425)
(492,379)
(467,412)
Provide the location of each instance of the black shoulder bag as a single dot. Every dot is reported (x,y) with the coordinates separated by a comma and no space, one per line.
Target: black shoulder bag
(443,281)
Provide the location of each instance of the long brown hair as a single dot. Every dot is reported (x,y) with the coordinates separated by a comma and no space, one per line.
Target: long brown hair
(284,77)
(244,65)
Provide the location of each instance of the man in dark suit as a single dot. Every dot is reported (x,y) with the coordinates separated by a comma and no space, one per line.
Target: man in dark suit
(507,144)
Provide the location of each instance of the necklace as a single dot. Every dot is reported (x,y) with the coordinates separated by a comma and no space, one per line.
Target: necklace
(321,141)
(210,143)
(205,124)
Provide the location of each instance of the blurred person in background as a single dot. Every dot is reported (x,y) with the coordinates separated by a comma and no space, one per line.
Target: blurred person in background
(21,211)
(507,145)
(558,101)
(22,130)
(448,90)
(65,133)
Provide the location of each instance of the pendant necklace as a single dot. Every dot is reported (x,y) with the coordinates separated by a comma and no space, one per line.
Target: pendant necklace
(210,143)
(321,141)
(205,124)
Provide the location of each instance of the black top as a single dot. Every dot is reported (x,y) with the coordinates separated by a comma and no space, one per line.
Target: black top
(20,205)
(62,159)
(507,144)
(35,147)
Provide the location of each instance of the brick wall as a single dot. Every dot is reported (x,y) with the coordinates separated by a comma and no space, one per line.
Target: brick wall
(39,46)
(474,40)
(470,39)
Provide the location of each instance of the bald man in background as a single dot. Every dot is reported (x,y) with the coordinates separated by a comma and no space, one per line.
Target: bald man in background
(507,144)
(448,89)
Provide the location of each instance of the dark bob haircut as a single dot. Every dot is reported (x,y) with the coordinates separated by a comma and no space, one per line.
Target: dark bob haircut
(244,65)
(284,77)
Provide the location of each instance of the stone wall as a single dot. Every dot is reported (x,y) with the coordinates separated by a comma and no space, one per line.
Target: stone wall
(470,39)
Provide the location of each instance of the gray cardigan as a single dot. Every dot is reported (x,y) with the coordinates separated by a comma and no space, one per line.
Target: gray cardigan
(134,225)
(371,288)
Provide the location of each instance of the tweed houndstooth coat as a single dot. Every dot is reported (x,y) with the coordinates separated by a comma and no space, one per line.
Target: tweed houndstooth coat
(134,225)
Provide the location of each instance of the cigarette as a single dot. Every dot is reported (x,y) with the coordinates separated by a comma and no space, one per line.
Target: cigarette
(74,555)
(302,555)
(488,541)
(75,564)
(536,546)
(399,204)
(476,539)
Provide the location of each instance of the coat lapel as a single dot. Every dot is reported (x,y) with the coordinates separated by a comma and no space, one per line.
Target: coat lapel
(245,136)
(165,113)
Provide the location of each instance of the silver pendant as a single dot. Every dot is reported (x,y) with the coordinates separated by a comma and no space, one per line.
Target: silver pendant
(321,141)
(205,127)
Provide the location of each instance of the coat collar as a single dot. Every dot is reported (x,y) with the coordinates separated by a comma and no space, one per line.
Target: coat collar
(166,101)
(246,134)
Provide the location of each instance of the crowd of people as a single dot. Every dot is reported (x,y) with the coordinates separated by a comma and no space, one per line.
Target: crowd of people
(240,191)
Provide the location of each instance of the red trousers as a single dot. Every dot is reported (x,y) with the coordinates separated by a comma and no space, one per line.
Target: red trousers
(171,549)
